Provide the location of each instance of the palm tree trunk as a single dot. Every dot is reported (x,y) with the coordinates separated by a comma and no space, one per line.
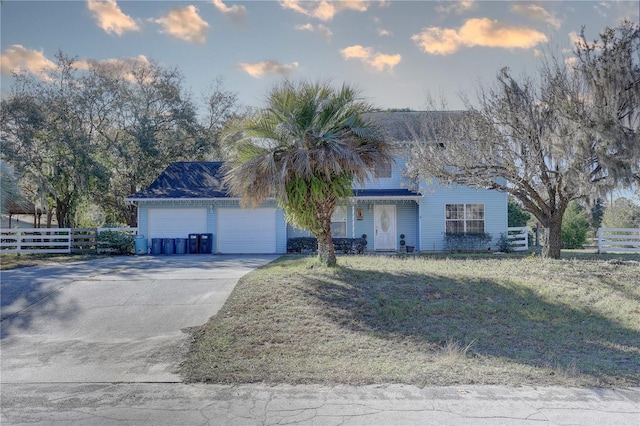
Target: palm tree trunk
(326,250)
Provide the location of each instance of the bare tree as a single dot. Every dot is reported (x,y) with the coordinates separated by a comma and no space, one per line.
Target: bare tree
(546,141)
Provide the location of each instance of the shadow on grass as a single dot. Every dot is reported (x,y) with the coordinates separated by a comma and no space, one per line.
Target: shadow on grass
(504,320)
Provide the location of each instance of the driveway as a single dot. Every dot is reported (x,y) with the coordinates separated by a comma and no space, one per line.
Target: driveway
(119,319)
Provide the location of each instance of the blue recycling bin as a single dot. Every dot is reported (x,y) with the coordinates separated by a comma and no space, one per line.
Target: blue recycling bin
(181,245)
(156,246)
(206,243)
(140,244)
(169,246)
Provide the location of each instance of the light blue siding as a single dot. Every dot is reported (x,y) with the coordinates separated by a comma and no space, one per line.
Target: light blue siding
(397,179)
(432,212)
(406,222)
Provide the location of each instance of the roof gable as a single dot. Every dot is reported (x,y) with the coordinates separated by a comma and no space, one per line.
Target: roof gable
(186,180)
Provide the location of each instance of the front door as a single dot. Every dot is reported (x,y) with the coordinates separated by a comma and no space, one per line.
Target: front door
(384,224)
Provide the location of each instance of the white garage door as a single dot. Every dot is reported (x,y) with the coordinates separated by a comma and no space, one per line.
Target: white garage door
(177,223)
(247,230)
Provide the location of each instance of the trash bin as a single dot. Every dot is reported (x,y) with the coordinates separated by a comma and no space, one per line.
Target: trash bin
(181,245)
(194,243)
(140,244)
(169,246)
(156,246)
(206,243)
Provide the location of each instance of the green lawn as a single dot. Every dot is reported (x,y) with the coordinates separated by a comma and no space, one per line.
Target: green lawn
(428,320)
(12,261)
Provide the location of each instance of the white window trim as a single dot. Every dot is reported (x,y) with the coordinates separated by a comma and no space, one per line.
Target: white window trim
(339,216)
(464,216)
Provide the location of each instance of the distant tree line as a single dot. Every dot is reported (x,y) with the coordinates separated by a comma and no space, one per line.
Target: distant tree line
(90,133)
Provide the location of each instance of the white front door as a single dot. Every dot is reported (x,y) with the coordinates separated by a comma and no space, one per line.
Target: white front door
(384,224)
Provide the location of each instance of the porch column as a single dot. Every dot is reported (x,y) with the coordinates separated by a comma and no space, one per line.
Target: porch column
(353,220)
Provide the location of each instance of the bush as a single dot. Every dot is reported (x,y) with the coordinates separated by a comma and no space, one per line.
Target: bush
(120,242)
(516,215)
(467,242)
(342,245)
(504,245)
(575,227)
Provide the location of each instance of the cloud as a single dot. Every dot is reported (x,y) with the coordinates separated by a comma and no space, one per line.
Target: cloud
(185,23)
(236,13)
(17,58)
(110,18)
(535,11)
(377,61)
(456,7)
(324,10)
(383,33)
(319,29)
(477,32)
(123,67)
(259,69)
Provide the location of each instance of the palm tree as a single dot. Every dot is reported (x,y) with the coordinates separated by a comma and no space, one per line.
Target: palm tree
(306,148)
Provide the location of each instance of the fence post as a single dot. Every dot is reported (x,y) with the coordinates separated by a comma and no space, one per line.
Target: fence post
(19,240)
(599,240)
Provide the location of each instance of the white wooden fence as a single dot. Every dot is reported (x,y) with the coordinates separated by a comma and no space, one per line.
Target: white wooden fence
(43,240)
(518,238)
(622,240)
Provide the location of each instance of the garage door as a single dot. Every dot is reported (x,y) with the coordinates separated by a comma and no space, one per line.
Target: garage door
(177,223)
(247,230)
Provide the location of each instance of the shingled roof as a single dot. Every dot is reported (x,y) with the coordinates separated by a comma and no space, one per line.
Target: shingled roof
(185,180)
(204,180)
(406,126)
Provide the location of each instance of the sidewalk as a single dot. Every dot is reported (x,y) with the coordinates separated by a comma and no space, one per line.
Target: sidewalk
(199,404)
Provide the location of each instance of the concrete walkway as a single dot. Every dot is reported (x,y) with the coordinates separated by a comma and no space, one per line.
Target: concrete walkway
(98,343)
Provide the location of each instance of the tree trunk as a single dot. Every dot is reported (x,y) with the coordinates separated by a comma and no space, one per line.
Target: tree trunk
(326,250)
(553,237)
(131,216)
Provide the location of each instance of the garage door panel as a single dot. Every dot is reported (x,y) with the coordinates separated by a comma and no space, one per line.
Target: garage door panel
(247,230)
(177,223)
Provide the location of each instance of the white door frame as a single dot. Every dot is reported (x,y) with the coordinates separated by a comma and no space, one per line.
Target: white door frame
(384,227)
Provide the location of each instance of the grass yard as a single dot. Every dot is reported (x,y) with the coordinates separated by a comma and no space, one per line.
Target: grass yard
(12,261)
(428,320)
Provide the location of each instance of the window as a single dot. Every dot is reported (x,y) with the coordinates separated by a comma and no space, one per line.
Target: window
(464,218)
(339,223)
(382,171)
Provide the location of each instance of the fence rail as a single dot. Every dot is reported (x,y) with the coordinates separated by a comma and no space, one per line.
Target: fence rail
(54,240)
(622,240)
(518,238)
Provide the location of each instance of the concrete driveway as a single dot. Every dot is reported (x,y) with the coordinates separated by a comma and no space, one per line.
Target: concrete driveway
(120,319)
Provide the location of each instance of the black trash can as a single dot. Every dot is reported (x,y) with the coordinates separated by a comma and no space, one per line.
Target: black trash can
(169,246)
(194,243)
(181,245)
(156,246)
(206,243)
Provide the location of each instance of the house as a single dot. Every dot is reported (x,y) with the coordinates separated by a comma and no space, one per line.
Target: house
(188,198)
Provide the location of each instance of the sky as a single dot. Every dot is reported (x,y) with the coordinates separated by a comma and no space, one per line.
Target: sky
(395,52)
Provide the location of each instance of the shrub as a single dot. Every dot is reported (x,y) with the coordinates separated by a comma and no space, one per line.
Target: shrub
(575,227)
(467,241)
(342,245)
(504,244)
(517,216)
(120,242)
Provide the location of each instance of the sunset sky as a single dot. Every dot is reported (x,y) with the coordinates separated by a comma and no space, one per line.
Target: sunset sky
(394,51)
